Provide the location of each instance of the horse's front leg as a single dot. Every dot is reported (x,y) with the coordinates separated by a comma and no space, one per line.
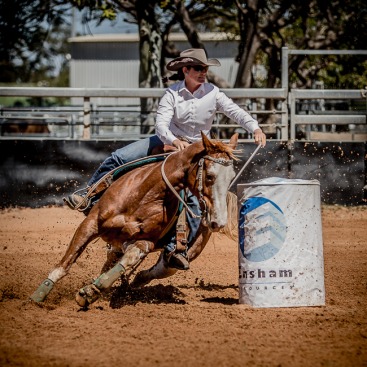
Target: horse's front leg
(84,234)
(162,270)
(159,270)
(200,241)
(135,252)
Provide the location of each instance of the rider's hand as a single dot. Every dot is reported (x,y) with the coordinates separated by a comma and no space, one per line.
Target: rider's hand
(260,137)
(179,144)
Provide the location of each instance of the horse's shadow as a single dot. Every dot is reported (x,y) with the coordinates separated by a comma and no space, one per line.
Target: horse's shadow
(229,301)
(201,285)
(124,295)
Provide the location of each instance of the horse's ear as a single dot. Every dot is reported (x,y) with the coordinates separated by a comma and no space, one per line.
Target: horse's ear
(233,141)
(208,145)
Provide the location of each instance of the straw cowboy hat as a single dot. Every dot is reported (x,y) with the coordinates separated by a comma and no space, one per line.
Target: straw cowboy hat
(192,56)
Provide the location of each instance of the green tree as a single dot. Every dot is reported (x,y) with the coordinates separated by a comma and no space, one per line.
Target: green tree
(263,26)
(30,38)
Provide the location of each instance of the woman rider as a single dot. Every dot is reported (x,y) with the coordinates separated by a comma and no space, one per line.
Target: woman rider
(187,108)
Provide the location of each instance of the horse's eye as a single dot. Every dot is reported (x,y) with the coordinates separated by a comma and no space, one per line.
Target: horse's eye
(210,178)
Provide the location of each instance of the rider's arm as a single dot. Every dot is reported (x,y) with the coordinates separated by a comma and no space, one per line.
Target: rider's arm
(239,115)
(163,120)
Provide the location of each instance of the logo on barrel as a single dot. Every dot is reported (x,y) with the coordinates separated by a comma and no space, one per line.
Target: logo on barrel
(262,229)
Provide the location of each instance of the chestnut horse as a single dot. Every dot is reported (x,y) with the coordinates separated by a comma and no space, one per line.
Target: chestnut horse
(138,207)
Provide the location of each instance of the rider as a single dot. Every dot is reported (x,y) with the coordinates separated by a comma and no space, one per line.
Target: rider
(187,108)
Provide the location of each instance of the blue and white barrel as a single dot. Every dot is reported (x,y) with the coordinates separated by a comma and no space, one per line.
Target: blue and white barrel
(281,260)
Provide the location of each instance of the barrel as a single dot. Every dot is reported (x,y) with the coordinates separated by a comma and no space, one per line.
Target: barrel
(281,260)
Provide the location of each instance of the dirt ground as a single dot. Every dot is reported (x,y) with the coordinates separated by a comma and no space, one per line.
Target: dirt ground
(191,319)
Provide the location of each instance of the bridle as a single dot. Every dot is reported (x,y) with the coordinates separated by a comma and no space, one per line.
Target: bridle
(199,178)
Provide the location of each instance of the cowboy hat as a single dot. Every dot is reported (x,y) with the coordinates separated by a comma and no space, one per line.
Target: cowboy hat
(192,56)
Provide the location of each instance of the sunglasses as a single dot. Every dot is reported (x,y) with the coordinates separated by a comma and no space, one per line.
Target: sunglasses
(200,68)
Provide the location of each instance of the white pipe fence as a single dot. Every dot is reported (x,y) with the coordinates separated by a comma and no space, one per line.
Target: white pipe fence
(320,117)
(92,118)
(89,121)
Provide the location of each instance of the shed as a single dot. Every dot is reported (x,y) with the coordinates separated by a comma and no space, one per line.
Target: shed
(112,61)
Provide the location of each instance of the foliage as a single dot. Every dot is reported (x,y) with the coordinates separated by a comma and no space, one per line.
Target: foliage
(99,10)
(263,26)
(328,26)
(32,37)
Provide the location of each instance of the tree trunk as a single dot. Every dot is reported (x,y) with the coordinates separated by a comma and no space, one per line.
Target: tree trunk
(250,43)
(150,58)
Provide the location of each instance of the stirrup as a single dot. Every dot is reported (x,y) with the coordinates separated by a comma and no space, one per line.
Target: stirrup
(81,206)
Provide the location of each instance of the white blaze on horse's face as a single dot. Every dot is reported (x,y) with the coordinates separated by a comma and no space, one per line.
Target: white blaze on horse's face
(222,176)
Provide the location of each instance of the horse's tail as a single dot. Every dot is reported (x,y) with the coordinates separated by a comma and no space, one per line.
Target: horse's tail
(231,229)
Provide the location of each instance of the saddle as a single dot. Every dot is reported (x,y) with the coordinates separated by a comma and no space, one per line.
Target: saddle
(158,153)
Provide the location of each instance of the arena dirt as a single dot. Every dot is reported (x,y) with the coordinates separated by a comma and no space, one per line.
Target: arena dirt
(191,319)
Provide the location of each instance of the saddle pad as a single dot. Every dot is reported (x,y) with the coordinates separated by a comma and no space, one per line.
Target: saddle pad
(129,166)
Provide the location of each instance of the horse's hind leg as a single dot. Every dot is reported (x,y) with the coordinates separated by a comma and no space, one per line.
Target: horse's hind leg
(113,256)
(133,255)
(84,234)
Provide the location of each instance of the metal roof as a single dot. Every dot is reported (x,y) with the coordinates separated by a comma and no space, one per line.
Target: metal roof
(134,37)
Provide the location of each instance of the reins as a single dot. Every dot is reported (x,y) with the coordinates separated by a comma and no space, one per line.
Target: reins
(245,165)
(199,178)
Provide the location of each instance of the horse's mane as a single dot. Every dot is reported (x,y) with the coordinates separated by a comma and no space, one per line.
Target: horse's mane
(221,147)
(231,228)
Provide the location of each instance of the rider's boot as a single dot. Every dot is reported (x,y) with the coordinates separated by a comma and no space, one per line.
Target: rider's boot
(175,251)
(77,200)
(84,199)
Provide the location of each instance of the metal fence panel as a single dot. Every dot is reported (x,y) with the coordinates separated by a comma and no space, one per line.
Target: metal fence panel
(91,116)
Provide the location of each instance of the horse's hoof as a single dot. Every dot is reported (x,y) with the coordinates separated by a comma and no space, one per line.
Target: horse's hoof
(87,295)
(179,261)
(81,300)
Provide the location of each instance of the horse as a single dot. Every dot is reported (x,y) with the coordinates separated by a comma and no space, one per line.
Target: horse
(138,207)
(24,127)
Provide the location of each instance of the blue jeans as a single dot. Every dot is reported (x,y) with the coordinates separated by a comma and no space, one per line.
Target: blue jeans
(194,223)
(129,153)
(141,149)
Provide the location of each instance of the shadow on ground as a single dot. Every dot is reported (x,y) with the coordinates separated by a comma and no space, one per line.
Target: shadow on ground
(125,295)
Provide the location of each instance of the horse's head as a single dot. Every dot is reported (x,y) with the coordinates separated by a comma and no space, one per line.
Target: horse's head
(214,175)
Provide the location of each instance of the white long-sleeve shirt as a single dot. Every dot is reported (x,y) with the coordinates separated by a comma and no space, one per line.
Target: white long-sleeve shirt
(183,114)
